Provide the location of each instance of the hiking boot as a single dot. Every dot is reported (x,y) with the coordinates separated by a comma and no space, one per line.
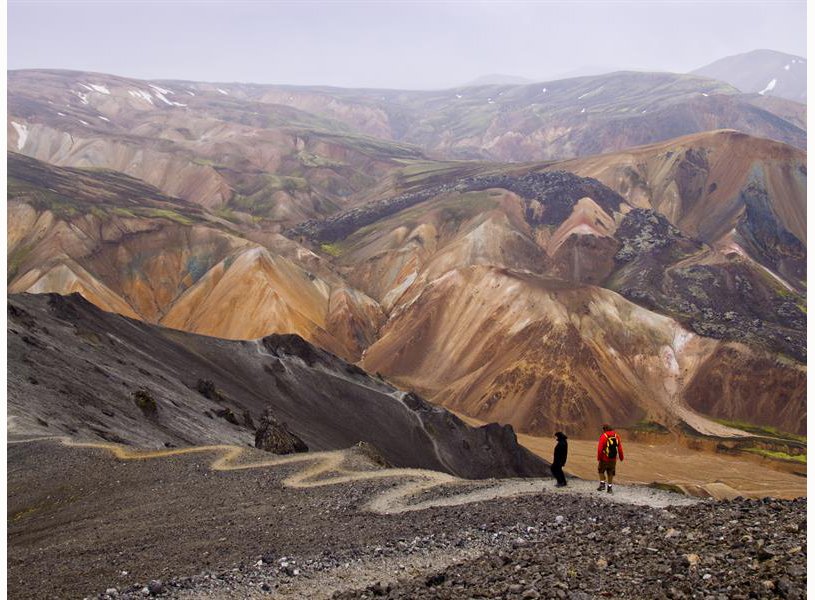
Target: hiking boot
(609,490)
(601,487)
(561,485)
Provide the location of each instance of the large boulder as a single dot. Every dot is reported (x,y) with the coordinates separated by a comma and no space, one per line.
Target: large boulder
(276,437)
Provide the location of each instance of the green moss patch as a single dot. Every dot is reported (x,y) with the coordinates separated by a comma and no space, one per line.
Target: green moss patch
(309,159)
(648,427)
(331,249)
(763,430)
(776,455)
(163,213)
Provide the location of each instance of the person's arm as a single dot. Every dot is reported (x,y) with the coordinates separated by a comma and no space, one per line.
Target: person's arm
(620,447)
(600,447)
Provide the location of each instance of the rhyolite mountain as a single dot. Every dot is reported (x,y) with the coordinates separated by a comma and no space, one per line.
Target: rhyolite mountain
(664,282)
(506,291)
(548,120)
(131,250)
(764,72)
(287,153)
(248,160)
(518,294)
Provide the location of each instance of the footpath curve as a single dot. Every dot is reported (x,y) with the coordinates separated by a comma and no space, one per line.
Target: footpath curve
(327,468)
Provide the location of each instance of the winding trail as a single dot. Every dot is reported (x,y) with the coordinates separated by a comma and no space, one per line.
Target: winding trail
(327,468)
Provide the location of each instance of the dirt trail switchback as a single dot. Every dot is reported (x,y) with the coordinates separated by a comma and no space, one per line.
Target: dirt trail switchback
(327,468)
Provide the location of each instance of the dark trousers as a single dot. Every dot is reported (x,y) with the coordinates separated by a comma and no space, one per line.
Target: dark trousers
(557,473)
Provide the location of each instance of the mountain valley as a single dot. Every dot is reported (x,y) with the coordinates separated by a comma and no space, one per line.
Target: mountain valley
(335,330)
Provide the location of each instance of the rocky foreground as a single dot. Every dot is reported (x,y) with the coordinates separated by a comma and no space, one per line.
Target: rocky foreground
(559,546)
(83,523)
(723,550)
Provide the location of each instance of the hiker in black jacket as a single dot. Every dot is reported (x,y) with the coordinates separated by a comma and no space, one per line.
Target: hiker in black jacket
(561,450)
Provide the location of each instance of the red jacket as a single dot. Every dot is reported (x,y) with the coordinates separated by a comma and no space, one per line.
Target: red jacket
(601,446)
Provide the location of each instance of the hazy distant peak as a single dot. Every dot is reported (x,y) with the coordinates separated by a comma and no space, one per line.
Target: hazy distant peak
(587,70)
(765,72)
(759,52)
(498,79)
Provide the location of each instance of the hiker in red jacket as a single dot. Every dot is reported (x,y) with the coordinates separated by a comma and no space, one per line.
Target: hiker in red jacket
(609,448)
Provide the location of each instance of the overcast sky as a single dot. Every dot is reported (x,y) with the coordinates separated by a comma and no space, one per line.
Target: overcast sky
(395,45)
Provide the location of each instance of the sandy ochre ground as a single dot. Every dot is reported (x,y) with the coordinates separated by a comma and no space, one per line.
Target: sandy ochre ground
(719,475)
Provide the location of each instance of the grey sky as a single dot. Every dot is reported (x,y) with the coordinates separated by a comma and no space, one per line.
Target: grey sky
(396,45)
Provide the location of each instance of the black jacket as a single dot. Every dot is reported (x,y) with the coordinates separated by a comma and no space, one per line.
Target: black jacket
(561,450)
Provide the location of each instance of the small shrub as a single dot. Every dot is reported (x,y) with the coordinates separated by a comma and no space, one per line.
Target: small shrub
(146,402)
(228,415)
(208,390)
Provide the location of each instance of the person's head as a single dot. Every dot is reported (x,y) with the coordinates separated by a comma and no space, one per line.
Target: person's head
(606,427)
(560,435)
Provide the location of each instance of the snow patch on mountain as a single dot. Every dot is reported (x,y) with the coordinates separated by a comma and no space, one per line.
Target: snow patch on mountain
(141,94)
(770,87)
(161,90)
(22,134)
(82,97)
(160,95)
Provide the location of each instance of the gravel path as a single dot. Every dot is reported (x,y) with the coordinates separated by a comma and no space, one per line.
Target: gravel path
(318,469)
(230,522)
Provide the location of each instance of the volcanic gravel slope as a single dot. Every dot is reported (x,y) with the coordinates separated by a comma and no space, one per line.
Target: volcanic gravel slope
(76,370)
(83,522)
